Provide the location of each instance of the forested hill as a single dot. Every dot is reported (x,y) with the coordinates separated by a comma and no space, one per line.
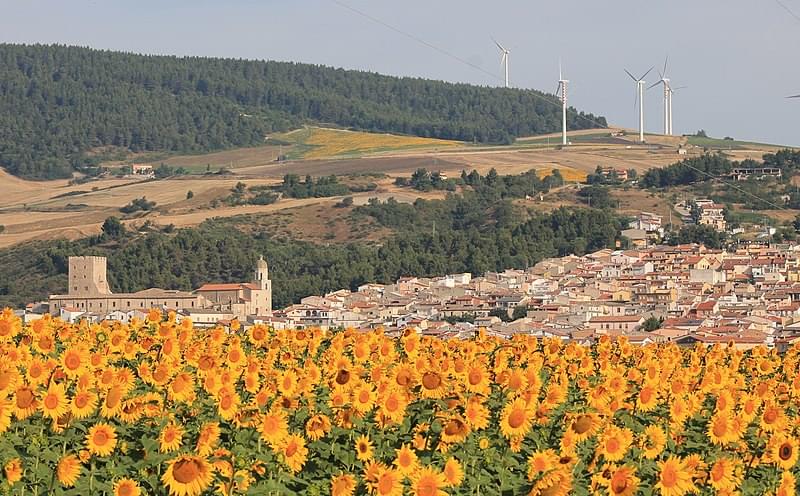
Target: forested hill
(57,103)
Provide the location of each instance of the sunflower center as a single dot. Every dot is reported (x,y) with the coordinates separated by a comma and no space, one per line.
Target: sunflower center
(403,378)
(475,377)
(646,395)
(455,426)
(51,401)
(226,402)
(770,416)
(114,395)
(385,484)
(582,424)
(619,483)
(669,477)
(291,449)
(612,445)
(718,472)
(363,396)
(186,471)
(100,437)
(24,398)
(81,400)
(392,404)
(431,380)
(72,361)
(125,489)
(785,451)
(427,488)
(720,427)
(516,419)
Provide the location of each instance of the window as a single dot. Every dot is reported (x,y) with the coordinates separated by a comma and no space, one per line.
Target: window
(176,304)
(114,304)
(129,304)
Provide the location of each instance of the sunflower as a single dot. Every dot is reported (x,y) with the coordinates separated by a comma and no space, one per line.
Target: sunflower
(541,462)
(725,474)
(208,438)
(773,418)
(343,485)
(364,398)
(188,475)
(112,403)
(68,470)
(54,402)
(623,481)
(404,375)
(453,472)
(406,460)
(13,470)
(653,442)
(787,486)
(515,419)
(455,430)
(318,426)
(294,452)
(476,414)
(433,385)
(101,439)
(392,406)
(25,402)
(274,427)
(287,383)
(720,429)
(673,477)
(584,426)
(181,389)
(387,482)
(6,410)
(478,380)
(170,438)
(228,405)
(647,400)
(83,404)
(782,451)
(127,487)
(363,448)
(428,481)
(74,361)
(614,443)
(38,372)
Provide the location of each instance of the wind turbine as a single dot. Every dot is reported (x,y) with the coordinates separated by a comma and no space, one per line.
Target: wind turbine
(640,99)
(503,58)
(562,92)
(793,96)
(668,92)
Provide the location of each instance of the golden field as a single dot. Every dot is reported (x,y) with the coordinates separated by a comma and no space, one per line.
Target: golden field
(160,407)
(325,142)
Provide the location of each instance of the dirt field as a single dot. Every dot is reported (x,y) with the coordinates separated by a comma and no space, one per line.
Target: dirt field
(54,209)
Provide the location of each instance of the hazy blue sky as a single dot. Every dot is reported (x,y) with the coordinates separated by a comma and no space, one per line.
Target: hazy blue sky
(739,58)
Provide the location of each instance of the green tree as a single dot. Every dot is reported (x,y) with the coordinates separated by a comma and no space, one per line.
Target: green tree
(113,228)
(189,195)
(652,323)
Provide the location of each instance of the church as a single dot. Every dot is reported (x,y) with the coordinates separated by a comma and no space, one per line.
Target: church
(88,291)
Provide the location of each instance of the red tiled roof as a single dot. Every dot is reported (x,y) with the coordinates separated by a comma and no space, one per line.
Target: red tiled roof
(221,287)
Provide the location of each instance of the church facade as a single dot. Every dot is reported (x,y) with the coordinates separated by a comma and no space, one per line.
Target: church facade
(88,291)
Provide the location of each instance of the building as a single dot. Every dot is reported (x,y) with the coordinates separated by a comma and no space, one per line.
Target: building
(142,170)
(744,173)
(648,222)
(88,291)
(711,214)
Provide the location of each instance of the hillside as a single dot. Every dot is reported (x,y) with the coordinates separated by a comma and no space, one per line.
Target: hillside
(65,108)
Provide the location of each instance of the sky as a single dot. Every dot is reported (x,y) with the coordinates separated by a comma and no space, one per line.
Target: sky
(738,59)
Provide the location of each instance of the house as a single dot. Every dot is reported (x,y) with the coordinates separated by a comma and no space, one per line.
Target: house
(142,170)
(616,324)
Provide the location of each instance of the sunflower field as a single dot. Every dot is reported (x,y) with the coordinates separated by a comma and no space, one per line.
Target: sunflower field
(159,407)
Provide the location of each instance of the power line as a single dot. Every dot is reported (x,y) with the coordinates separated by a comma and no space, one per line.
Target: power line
(421,41)
(712,176)
(787,9)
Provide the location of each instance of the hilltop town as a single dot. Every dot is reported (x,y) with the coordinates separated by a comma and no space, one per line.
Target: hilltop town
(685,294)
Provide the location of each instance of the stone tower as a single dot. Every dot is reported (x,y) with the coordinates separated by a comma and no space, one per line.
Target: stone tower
(87,276)
(261,279)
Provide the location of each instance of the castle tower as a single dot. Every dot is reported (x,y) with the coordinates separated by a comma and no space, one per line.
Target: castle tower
(261,279)
(87,276)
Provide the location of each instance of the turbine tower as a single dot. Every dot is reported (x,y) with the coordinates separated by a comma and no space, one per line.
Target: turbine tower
(503,58)
(562,93)
(640,83)
(668,92)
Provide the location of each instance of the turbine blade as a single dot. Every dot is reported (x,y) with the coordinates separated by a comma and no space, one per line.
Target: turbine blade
(560,76)
(646,73)
(498,45)
(793,96)
(631,75)
(666,59)
(655,84)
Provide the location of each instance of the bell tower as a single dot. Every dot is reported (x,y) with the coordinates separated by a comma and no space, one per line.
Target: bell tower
(261,280)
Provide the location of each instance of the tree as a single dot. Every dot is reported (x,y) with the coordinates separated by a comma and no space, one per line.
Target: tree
(632,174)
(695,212)
(652,323)
(2,228)
(520,312)
(113,228)
(701,134)
(189,195)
